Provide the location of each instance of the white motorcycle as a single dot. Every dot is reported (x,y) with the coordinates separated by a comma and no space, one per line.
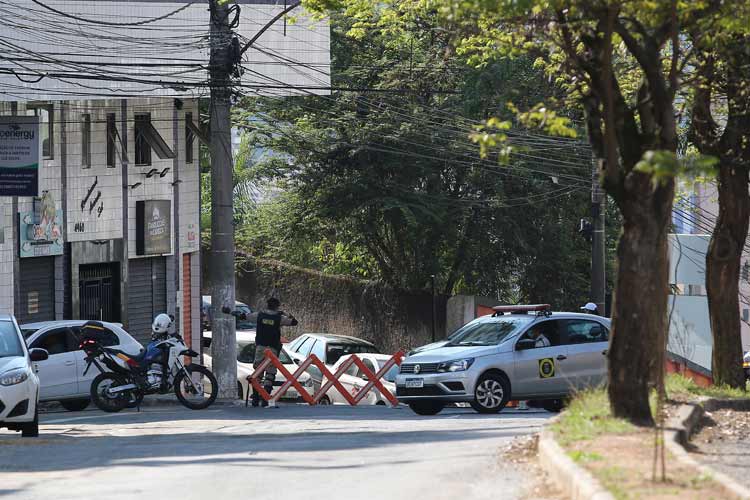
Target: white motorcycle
(157,370)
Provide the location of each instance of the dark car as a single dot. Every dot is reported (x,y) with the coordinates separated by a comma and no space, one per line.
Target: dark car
(207,311)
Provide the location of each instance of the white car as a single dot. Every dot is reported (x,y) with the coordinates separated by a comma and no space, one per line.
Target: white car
(353,379)
(62,375)
(19,384)
(245,358)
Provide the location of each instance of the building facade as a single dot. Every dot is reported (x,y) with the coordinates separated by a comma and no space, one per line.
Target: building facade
(114,234)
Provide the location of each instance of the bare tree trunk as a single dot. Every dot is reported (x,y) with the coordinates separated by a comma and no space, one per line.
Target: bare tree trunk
(640,306)
(723,274)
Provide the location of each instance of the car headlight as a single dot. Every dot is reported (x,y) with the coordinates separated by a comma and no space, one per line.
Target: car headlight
(14,377)
(746,364)
(308,382)
(457,365)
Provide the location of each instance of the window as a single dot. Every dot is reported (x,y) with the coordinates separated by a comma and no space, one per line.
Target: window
(584,332)
(336,351)
(548,329)
(111,140)
(142,147)
(319,349)
(58,341)
(304,348)
(46,127)
(369,365)
(284,357)
(147,139)
(246,353)
(86,141)
(189,139)
(10,344)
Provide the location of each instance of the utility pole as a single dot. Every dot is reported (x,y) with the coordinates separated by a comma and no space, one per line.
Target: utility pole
(434,309)
(221,265)
(598,251)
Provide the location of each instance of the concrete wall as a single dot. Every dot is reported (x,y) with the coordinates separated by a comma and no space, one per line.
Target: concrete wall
(463,308)
(392,319)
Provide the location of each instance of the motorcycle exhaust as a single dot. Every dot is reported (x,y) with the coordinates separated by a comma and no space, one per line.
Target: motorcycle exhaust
(122,388)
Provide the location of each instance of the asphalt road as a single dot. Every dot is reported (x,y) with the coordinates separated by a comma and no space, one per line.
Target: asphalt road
(295,451)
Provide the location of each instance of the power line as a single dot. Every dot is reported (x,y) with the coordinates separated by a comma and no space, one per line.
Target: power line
(106,23)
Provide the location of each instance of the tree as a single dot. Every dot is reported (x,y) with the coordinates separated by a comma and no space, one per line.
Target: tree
(388,186)
(621,62)
(722,80)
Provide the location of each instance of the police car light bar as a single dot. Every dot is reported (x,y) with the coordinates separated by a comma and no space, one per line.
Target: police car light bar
(522,308)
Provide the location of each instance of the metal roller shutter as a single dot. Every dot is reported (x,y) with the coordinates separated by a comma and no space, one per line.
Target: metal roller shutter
(147,295)
(37,290)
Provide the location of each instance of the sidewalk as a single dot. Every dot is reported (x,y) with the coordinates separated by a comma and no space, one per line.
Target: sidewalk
(723,443)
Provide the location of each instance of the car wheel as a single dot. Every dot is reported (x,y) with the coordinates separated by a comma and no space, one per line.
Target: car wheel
(491,394)
(427,407)
(240,392)
(31,429)
(75,404)
(380,403)
(325,401)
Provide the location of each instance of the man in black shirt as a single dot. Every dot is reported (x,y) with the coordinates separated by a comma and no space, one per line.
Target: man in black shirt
(268,336)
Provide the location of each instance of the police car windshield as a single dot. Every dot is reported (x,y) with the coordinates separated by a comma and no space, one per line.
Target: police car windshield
(489,331)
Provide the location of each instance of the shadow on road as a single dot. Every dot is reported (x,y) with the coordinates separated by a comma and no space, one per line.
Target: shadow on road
(235,441)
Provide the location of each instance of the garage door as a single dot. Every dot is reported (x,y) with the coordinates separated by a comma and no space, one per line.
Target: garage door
(147,295)
(37,290)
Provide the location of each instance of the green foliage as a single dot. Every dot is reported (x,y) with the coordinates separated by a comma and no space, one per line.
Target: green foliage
(587,416)
(663,166)
(684,387)
(390,187)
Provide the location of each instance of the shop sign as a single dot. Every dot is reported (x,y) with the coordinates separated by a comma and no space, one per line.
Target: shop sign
(153,227)
(41,230)
(19,156)
(192,238)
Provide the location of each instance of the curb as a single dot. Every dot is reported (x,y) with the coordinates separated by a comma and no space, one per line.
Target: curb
(574,481)
(680,428)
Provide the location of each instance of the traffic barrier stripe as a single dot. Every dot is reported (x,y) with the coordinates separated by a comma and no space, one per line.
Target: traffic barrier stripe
(373,379)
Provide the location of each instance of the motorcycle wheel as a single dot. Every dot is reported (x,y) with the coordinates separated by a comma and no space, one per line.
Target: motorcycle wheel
(105,401)
(196,387)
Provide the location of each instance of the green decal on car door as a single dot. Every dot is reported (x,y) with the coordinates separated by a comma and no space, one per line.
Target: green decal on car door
(546,368)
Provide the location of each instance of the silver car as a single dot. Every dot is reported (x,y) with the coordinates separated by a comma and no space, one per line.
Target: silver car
(524,353)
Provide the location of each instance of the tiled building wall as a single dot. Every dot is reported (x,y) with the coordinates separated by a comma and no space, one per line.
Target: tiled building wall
(84,219)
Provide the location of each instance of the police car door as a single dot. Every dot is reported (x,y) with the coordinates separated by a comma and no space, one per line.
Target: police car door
(540,371)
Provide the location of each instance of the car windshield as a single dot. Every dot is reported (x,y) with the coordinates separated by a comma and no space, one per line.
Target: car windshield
(10,344)
(489,331)
(28,332)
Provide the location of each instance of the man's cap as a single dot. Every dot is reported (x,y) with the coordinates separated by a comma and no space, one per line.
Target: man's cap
(590,306)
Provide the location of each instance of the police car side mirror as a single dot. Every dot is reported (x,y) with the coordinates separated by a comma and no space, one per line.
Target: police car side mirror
(524,344)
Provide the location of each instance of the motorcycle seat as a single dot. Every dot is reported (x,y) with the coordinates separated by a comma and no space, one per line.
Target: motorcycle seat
(139,357)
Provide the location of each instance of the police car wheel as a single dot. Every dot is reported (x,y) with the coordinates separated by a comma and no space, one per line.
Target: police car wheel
(491,394)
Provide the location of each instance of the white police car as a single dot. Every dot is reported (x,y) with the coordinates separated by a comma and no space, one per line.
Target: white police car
(519,352)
